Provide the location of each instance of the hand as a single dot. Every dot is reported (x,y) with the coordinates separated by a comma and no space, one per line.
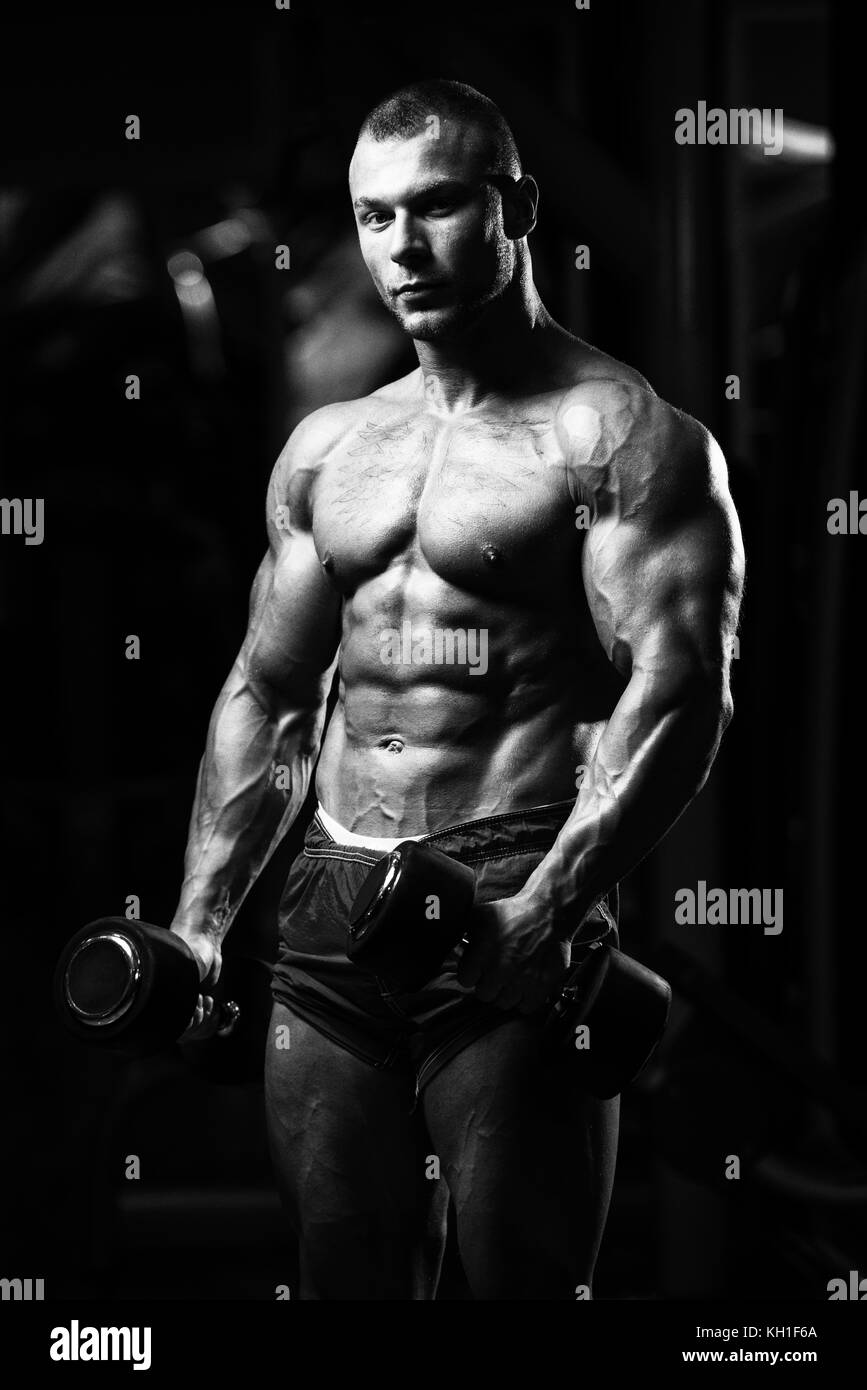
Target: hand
(206,950)
(516,959)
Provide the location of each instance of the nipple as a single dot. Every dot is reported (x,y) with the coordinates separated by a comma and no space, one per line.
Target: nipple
(491,555)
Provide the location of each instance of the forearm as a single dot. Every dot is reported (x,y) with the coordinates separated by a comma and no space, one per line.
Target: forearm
(252,782)
(653,757)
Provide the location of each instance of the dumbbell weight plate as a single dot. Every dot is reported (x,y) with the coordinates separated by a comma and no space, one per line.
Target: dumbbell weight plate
(625,1007)
(409,913)
(126,985)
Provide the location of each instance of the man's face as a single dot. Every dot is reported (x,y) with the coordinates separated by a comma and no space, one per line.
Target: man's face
(430,229)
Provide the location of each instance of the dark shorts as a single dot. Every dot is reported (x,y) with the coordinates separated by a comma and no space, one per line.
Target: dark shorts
(420,1031)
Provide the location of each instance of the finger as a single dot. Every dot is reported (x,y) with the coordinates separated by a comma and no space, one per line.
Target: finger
(470,967)
(213,1018)
(210,1019)
(195,1022)
(474,955)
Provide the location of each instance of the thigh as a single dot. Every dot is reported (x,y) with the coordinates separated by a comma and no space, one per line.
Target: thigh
(529,1159)
(350,1164)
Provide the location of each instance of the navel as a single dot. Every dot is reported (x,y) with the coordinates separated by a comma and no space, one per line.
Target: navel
(392,744)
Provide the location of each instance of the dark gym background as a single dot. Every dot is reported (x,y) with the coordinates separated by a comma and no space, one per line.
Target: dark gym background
(157,258)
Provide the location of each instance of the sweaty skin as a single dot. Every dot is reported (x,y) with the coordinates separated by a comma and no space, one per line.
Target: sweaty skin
(519,486)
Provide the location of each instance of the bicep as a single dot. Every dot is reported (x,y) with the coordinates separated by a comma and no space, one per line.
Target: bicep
(664,580)
(293,630)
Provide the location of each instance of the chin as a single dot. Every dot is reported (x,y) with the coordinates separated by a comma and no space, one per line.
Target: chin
(428,325)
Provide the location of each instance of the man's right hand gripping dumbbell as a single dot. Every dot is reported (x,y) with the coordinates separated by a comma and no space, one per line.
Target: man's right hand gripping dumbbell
(417,904)
(206,948)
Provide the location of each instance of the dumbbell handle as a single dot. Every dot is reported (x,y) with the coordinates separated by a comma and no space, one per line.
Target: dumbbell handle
(228,1013)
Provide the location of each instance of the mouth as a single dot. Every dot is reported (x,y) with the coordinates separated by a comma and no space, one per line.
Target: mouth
(417,288)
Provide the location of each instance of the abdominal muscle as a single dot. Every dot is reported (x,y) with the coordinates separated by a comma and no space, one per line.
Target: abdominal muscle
(414,753)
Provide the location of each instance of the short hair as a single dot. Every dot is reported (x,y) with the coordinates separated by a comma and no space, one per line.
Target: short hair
(406,113)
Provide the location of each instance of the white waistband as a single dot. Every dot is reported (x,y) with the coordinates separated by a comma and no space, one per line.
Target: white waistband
(347,837)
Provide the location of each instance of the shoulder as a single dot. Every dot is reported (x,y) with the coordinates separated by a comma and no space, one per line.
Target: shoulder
(311,443)
(319,436)
(315,436)
(590,364)
(627,448)
(323,430)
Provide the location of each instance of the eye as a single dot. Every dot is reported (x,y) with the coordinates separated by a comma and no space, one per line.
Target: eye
(375,219)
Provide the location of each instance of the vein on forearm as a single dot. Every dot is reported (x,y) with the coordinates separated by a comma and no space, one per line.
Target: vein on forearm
(653,757)
(240,813)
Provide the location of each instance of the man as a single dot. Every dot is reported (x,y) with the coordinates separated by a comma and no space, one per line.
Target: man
(526,569)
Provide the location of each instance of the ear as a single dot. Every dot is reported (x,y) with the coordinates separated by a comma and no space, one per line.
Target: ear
(520,204)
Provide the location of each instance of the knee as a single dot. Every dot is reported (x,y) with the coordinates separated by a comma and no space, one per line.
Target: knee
(525,1273)
(519,1257)
(352,1258)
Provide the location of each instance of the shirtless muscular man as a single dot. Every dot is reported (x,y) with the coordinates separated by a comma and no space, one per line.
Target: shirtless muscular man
(523,493)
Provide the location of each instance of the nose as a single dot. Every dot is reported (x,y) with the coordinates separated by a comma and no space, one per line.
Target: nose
(408,246)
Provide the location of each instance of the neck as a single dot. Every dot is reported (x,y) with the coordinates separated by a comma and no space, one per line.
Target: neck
(493,352)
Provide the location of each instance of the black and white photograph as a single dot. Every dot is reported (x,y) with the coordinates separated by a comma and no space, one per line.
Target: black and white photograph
(432,541)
